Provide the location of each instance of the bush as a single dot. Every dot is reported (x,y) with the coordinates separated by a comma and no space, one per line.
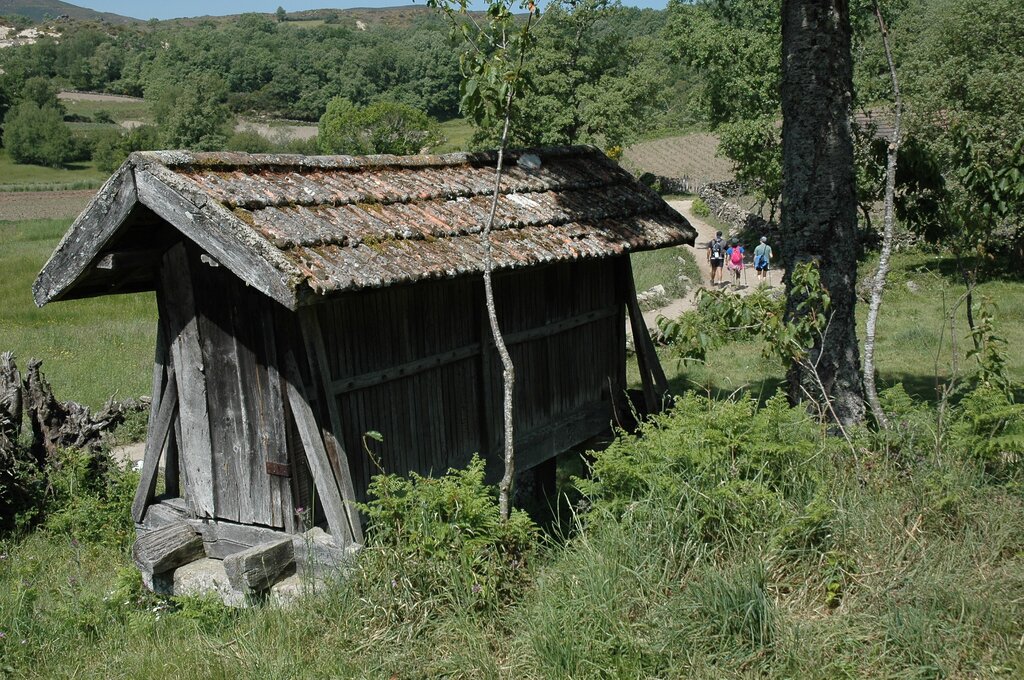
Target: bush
(37,135)
(113,148)
(90,498)
(248,141)
(384,127)
(443,538)
(700,208)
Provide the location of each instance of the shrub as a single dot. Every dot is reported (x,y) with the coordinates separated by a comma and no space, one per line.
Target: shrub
(443,538)
(989,428)
(113,148)
(384,127)
(248,141)
(90,498)
(700,208)
(37,135)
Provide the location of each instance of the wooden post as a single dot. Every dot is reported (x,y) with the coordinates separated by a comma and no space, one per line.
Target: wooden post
(256,569)
(320,369)
(159,429)
(327,486)
(651,374)
(167,548)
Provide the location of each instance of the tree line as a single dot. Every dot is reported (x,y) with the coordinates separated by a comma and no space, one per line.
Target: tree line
(600,77)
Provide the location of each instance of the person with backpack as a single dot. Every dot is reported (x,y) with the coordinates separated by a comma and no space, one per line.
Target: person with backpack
(716,257)
(762,259)
(734,259)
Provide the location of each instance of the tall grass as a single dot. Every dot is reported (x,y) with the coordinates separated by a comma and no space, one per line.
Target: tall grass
(91,349)
(728,540)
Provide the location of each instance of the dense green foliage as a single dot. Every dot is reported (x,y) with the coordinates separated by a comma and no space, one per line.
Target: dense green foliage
(384,127)
(37,135)
(726,539)
(596,76)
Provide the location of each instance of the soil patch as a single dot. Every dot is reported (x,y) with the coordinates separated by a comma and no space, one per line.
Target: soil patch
(43,205)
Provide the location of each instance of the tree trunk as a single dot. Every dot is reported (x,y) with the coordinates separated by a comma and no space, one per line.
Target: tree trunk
(66,425)
(819,198)
(12,390)
(878,286)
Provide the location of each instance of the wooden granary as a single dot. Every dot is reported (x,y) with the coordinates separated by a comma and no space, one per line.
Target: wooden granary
(306,301)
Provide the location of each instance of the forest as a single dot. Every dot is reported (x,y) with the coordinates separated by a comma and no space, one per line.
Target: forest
(758,526)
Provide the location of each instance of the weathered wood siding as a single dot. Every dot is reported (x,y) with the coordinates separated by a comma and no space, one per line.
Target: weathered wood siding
(243,398)
(416,364)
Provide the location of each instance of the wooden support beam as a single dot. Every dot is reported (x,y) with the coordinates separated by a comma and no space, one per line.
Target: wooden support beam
(410,368)
(316,455)
(320,369)
(651,375)
(121,260)
(256,569)
(178,307)
(158,433)
(167,548)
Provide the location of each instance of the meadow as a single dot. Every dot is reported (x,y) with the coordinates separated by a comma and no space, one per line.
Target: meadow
(732,538)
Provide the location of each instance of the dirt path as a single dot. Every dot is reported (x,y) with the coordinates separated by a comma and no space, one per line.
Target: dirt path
(96,97)
(705,233)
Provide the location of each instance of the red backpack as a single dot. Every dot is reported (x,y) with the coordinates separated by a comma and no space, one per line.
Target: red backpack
(737,255)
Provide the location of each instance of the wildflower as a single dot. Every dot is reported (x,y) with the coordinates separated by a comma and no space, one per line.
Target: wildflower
(477,588)
(2,635)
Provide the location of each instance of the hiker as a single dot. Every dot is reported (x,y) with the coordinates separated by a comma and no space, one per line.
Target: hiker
(734,259)
(716,257)
(762,259)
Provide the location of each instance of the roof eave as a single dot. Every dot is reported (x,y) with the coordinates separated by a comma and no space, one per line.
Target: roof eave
(218,231)
(87,236)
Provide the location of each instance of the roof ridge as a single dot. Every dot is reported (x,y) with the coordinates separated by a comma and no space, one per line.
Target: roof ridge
(233,159)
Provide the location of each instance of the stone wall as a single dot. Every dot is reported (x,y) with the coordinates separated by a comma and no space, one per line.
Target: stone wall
(741,223)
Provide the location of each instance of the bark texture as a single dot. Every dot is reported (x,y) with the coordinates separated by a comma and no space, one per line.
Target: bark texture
(819,215)
(878,286)
(11,391)
(58,425)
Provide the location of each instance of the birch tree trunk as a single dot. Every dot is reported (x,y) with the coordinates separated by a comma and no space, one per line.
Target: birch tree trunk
(819,198)
(878,286)
(508,371)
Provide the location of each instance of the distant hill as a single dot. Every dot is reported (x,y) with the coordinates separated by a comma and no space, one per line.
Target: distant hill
(38,10)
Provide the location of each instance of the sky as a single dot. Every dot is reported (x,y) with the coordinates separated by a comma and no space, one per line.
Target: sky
(191,8)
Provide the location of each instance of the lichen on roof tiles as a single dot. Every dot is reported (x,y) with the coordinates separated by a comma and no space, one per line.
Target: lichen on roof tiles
(360,222)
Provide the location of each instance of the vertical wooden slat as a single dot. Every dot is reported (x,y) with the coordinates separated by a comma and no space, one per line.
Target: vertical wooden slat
(229,449)
(187,359)
(270,424)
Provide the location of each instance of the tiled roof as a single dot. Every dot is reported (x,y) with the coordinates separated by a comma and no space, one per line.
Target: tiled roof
(295,226)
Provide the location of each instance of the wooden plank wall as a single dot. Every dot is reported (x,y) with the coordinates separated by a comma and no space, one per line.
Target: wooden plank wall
(244,399)
(412,363)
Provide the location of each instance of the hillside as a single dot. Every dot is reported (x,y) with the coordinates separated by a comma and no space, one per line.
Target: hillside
(38,10)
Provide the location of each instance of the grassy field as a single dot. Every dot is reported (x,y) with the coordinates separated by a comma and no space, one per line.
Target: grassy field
(120,109)
(913,342)
(18,177)
(457,132)
(91,349)
(728,541)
